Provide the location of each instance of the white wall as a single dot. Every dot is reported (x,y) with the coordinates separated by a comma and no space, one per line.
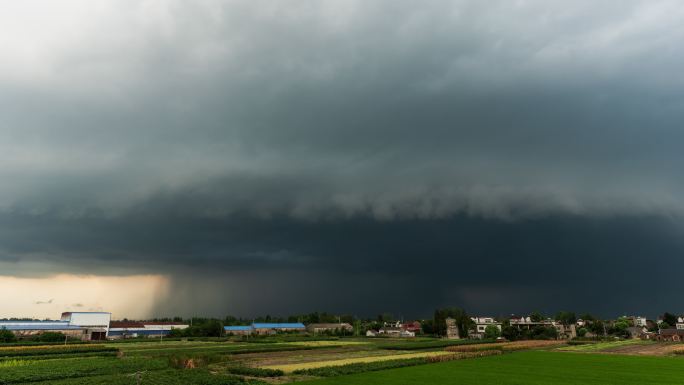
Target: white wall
(90,319)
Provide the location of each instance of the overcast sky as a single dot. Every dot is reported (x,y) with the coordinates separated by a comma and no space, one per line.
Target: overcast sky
(347,156)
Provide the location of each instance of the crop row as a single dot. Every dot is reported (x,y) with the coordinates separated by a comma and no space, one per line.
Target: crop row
(48,370)
(17,351)
(158,377)
(104,353)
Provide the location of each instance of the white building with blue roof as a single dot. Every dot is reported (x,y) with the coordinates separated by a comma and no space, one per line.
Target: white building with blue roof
(82,325)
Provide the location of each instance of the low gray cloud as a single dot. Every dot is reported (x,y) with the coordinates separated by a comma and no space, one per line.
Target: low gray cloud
(247,138)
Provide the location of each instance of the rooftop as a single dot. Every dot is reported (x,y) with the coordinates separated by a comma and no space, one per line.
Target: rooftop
(297,325)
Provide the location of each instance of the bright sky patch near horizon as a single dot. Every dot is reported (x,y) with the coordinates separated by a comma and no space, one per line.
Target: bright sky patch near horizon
(47,297)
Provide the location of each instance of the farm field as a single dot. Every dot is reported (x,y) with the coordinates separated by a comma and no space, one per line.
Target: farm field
(530,368)
(632,347)
(344,361)
(288,368)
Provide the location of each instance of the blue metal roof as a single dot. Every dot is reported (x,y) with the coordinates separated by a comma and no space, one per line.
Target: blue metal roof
(40,327)
(237,328)
(297,325)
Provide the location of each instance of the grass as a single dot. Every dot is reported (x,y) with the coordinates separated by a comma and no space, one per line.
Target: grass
(289,368)
(530,368)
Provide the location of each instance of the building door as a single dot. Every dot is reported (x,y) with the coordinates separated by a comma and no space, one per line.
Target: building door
(98,336)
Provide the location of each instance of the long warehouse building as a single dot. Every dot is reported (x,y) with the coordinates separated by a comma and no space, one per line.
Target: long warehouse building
(91,326)
(87,326)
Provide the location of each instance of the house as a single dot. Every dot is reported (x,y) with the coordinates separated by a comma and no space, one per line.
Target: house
(526,323)
(397,329)
(330,328)
(264,328)
(649,336)
(394,331)
(680,323)
(95,324)
(273,328)
(637,321)
(413,327)
(565,332)
(372,333)
(636,332)
(481,324)
(452,331)
(672,335)
(238,330)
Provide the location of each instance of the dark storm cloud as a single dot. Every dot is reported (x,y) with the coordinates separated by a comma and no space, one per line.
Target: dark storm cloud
(245,265)
(258,145)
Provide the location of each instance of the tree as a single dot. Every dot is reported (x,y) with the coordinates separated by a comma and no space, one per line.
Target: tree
(597,327)
(50,337)
(620,327)
(492,332)
(663,325)
(536,316)
(670,318)
(566,317)
(581,332)
(540,332)
(7,336)
(510,333)
(428,326)
(463,322)
(550,333)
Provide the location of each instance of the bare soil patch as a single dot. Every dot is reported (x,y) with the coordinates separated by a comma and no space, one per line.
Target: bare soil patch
(656,349)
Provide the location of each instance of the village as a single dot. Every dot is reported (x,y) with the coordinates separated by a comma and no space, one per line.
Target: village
(94,326)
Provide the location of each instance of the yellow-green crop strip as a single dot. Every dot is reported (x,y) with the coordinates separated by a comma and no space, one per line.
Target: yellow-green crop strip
(601,346)
(288,368)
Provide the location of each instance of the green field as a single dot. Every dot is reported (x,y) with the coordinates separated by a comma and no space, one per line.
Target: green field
(348,361)
(530,368)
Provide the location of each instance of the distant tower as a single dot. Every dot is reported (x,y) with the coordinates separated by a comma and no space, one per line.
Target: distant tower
(452,329)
